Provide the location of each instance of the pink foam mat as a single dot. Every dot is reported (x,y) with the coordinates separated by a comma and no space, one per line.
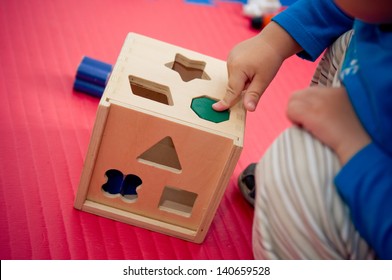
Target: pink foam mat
(45,126)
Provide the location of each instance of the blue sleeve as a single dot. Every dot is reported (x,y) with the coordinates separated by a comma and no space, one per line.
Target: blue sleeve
(365,184)
(314,24)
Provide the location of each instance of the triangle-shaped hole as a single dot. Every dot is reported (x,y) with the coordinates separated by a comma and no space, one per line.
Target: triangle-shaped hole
(162,155)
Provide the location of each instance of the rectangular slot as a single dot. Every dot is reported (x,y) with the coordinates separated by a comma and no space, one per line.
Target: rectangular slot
(177,201)
(150,90)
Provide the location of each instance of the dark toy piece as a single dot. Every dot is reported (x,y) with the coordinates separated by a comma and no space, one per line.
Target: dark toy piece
(92,76)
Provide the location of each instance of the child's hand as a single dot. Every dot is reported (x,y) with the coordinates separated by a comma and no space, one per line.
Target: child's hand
(253,64)
(328,114)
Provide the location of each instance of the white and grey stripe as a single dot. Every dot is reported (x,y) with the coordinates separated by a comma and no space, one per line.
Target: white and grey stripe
(298,212)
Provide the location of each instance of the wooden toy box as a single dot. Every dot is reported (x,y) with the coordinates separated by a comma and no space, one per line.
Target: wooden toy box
(158,157)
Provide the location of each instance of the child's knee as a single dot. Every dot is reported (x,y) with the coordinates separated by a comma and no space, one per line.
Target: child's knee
(296,158)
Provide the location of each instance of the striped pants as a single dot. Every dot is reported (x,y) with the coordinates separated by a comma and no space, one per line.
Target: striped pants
(298,212)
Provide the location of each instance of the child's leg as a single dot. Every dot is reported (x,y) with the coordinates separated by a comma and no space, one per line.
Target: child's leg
(326,74)
(298,213)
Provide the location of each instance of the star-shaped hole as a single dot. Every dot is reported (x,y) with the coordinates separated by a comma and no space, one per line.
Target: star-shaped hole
(188,69)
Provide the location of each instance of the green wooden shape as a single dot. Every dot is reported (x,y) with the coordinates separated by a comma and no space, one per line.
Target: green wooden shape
(202,106)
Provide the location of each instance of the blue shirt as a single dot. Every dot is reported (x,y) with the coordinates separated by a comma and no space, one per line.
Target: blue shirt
(365,182)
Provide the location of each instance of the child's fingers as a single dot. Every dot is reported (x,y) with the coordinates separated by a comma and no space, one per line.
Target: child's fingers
(234,89)
(253,93)
(297,107)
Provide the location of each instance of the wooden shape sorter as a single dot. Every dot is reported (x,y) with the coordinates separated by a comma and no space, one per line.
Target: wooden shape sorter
(155,159)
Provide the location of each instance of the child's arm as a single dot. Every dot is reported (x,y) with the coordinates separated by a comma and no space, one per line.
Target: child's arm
(307,28)
(365,184)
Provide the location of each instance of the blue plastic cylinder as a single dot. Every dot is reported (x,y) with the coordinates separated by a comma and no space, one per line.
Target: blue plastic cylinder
(97,64)
(89,88)
(92,74)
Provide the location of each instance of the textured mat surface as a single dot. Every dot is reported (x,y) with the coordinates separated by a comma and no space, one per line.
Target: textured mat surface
(45,127)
